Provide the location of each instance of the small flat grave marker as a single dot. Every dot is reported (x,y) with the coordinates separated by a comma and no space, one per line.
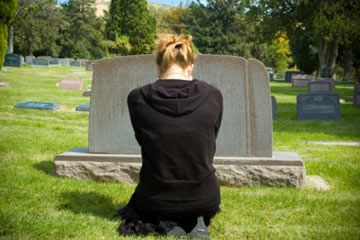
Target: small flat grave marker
(4,84)
(71,84)
(318,106)
(38,105)
(84,107)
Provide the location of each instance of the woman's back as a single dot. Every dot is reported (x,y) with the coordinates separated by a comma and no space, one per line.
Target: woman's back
(176,123)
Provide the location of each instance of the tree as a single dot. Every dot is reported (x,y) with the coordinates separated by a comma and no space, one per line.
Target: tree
(82,33)
(38,30)
(132,19)
(7,13)
(330,23)
(218,27)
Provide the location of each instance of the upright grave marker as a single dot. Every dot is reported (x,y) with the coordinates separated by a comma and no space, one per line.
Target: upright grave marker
(319,103)
(356,97)
(300,80)
(29,59)
(75,63)
(13,60)
(244,145)
(54,61)
(40,62)
(288,75)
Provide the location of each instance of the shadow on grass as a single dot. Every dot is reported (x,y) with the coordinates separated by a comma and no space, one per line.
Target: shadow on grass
(46,166)
(89,203)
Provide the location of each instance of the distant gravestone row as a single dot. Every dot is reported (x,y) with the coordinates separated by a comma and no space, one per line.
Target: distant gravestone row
(319,103)
(16,60)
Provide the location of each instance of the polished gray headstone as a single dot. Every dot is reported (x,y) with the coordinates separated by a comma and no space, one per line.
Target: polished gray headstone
(318,106)
(12,60)
(247,119)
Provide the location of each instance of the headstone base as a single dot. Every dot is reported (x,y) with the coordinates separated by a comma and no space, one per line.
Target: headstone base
(284,169)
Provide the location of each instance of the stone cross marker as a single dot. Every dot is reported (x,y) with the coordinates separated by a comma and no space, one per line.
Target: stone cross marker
(71,84)
(244,145)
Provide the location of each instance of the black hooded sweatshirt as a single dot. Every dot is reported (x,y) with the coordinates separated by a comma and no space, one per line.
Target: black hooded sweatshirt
(176,123)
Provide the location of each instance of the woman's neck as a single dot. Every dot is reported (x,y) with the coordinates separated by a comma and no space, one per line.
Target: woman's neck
(177,72)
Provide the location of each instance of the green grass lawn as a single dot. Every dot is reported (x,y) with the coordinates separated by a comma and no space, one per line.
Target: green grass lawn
(35,204)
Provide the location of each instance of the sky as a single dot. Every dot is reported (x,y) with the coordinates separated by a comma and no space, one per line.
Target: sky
(169,2)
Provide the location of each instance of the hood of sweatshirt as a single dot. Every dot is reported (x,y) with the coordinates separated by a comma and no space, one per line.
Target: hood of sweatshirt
(175,97)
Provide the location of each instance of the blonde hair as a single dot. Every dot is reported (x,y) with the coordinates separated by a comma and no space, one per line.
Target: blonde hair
(172,49)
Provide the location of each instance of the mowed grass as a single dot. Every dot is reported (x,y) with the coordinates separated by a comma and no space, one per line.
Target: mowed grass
(35,204)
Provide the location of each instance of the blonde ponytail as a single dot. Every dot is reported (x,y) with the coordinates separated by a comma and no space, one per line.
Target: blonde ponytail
(172,49)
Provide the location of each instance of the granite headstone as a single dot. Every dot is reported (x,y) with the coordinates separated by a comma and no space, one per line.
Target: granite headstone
(244,144)
(40,62)
(273,107)
(288,75)
(356,96)
(29,59)
(85,107)
(318,106)
(300,80)
(38,105)
(75,63)
(12,60)
(53,61)
(320,86)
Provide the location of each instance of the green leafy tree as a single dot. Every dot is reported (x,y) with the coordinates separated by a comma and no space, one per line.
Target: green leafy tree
(82,32)
(329,23)
(8,10)
(219,27)
(37,32)
(132,18)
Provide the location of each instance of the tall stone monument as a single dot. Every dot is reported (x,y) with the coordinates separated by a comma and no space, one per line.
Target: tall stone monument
(244,153)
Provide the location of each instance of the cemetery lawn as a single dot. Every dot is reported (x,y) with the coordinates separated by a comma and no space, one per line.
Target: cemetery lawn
(35,204)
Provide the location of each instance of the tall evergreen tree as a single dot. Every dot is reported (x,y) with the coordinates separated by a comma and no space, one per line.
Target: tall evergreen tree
(82,32)
(7,13)
(132,18)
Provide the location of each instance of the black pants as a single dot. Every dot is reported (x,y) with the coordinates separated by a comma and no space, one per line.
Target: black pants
(184,213)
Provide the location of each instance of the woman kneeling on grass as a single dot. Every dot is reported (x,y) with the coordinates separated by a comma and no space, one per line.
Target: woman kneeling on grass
(176,120)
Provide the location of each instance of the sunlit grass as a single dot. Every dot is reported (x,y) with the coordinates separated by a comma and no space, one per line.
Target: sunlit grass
(35,204)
